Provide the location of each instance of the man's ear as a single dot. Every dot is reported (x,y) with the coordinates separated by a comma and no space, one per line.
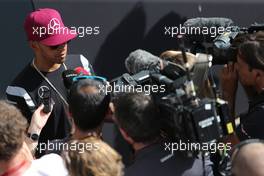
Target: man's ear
(126,136)
(109,114)
(259,79)
(33,45)
(71,120)
(111,107)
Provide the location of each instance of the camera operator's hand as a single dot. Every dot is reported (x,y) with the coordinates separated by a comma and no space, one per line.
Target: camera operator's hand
(38,120)
(229,82)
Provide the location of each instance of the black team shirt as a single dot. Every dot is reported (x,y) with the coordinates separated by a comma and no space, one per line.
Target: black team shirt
(23,92)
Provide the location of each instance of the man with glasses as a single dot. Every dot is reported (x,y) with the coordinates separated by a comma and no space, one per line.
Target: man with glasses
(42,79)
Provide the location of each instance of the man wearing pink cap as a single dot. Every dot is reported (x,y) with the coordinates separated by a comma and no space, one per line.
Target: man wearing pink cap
(41,80)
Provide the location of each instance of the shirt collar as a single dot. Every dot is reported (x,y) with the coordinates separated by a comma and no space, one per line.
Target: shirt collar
(147,150)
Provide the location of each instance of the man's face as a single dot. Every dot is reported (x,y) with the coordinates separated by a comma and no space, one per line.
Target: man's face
(53,54)
(246,76)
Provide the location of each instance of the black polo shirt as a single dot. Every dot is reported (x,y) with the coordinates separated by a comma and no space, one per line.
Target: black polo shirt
(252,123)
(149,162)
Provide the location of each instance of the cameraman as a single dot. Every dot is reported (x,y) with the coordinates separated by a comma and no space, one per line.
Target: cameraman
(249,70)
(137,116)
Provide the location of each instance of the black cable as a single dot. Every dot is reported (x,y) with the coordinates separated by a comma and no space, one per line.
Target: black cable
(213,84)
(203,160)
(185,58)
(33,5)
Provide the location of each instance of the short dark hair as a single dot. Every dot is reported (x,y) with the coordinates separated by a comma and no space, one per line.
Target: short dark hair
(12,130)
(252,50)
(87,104)
(138,115)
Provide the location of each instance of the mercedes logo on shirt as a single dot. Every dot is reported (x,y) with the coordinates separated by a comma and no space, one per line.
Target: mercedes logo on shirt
(42,90)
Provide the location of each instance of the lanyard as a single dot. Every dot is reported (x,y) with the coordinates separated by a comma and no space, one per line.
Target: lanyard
(17,170)
(48,81)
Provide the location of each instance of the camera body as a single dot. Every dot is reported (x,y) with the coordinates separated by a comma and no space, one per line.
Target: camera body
(185,116)
(222,47)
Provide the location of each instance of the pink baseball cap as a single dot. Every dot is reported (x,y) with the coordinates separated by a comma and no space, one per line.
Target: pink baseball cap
(46,26)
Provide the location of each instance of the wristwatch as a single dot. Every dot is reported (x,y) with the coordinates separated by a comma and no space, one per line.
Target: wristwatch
(33,136)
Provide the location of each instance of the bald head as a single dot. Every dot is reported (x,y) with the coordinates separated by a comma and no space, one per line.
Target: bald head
(249,160)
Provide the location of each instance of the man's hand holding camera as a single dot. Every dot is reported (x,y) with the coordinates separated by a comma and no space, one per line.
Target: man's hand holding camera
(229,82)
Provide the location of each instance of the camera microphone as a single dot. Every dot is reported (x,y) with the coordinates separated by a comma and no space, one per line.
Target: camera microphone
(67,77)
(81,71)
(140,60)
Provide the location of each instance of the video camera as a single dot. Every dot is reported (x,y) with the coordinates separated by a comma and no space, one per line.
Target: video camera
(185,116)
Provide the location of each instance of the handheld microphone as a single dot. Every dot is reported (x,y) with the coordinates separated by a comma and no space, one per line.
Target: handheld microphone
(68,76)
(45,98)
(47,102)
(82,71)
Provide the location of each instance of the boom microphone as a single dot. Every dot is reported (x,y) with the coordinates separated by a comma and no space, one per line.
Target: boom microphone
(200,30)
(208,22)
(140,60)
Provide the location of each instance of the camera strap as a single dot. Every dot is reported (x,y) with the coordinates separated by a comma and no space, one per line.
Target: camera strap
(48,81)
